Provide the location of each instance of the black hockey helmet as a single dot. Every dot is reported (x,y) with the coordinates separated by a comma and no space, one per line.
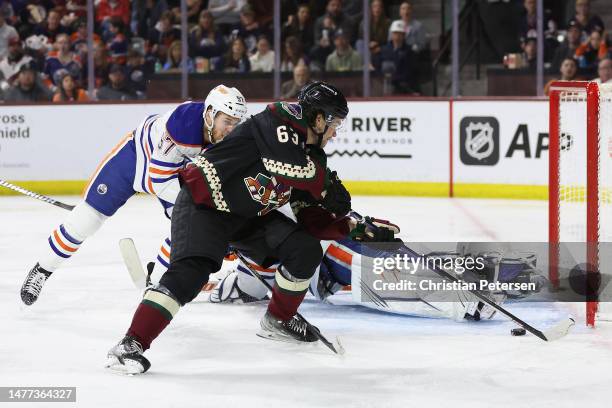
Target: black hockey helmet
(320,97)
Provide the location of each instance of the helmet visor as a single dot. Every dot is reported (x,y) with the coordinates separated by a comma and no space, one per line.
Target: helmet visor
(335,123)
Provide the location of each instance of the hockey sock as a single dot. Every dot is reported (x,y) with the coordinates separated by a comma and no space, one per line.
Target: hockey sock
(287,295)
(62,245)
(152,316)
(162,263)
(66,239)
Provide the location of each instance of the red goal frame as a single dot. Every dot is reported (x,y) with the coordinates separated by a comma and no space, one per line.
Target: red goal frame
(592,96)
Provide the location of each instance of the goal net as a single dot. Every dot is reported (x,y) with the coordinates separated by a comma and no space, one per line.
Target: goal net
(580,187)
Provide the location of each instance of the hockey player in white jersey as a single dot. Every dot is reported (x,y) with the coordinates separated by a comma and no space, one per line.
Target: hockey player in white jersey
(146,160)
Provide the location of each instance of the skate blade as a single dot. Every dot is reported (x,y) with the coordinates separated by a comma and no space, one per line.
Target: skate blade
(128,367)
(339,348)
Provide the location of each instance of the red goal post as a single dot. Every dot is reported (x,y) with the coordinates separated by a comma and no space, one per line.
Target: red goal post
(579,161)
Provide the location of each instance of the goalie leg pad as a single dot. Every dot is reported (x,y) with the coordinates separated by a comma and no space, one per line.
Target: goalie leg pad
(241,286)
(250,285)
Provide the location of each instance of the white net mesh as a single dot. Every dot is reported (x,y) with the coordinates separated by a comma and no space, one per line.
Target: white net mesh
(605,164)
(605,200)
(573,177)
(572,166)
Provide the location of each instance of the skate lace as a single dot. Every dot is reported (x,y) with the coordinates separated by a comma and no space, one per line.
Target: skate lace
(35,283)
(298,326)
(132,346)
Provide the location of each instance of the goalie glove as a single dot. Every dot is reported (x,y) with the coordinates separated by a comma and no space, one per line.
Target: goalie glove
(336,197)
(374,230)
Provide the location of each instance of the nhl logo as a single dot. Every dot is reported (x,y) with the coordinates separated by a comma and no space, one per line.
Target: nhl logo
(102,189)
(479,141)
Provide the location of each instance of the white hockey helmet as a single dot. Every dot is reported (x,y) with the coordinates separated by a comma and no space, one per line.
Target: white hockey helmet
(223,99)
(227,100)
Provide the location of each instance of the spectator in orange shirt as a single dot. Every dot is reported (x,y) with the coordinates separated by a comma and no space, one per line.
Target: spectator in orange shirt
(590,53)
(67,88)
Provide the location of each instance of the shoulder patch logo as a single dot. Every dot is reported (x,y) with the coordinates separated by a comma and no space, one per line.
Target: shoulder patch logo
(293,109)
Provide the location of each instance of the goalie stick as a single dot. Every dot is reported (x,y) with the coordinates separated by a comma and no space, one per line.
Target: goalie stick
(37,196)
(336,347)
(131,259)
(556,332)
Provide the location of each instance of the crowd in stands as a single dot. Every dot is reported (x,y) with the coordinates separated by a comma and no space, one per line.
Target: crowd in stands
(576,50)
(43,43)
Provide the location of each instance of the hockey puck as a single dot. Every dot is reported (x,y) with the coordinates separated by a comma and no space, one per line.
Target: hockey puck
(518,331)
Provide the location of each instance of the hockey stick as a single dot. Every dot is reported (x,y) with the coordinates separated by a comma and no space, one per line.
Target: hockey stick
(37,196)
(335,347)
(556,332)
(126,245)
(132,262)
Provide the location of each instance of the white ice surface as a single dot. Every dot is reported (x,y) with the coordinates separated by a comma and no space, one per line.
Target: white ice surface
(210,357)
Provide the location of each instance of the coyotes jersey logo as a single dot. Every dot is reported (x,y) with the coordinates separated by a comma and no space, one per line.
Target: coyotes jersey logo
(267,192)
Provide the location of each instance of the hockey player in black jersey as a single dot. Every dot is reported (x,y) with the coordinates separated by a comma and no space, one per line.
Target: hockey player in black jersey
(228,196)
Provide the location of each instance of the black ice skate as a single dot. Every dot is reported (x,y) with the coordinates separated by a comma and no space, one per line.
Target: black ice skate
(293,330)
(30,290)
(126,357)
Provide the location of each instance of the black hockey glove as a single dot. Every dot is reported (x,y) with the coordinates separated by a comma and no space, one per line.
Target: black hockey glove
(337,198)
(375,230)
